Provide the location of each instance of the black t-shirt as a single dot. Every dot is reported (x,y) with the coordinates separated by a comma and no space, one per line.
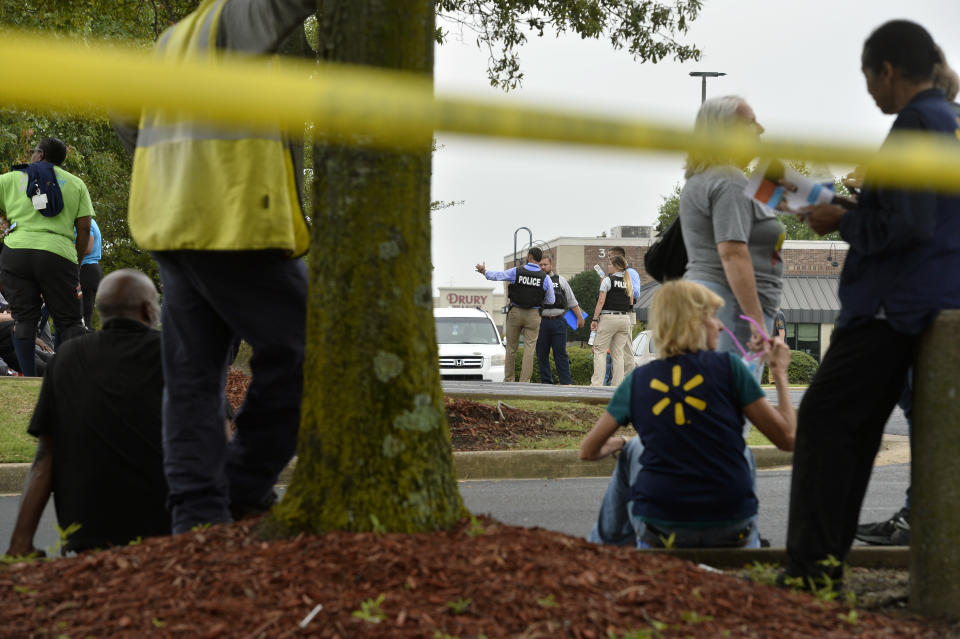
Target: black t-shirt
(100,404)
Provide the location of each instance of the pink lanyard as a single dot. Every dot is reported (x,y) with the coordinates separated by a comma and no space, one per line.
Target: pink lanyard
(753,355)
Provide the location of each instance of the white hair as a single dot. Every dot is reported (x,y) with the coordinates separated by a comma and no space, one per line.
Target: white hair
(716,115)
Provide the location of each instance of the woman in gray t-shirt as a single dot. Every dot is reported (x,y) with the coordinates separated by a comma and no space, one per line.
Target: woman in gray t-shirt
(733,244)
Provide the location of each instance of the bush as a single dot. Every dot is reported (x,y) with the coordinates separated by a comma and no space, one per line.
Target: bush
(581,365)
(800,371)
(802,368)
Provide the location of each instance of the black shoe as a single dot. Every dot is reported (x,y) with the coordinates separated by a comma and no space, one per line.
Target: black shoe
(245,511)
(892,532)
(764,542)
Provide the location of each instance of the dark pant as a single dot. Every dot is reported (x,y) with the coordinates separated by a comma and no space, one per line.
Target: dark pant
(31,277)
(553,335)
(209,300)
(90,276)
(839,428)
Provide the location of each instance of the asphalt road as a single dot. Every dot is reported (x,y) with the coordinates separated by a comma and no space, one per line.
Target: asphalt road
(570,505)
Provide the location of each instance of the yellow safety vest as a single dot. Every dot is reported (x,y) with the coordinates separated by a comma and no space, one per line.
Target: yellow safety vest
(197,186)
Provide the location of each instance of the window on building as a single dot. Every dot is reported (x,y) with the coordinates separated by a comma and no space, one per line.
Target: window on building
(804,337)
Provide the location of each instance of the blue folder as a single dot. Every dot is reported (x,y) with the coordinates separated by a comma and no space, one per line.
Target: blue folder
(571,319)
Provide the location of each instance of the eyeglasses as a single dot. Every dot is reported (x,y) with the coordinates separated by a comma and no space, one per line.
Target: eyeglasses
(36,150)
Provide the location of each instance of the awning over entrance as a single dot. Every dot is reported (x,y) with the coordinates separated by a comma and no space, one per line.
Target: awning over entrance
(805,300)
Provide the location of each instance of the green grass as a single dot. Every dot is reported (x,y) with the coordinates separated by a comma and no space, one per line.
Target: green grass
(756,438)
(243,358)
(19,398)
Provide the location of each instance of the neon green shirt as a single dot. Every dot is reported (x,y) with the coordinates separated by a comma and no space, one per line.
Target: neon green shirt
(34,230)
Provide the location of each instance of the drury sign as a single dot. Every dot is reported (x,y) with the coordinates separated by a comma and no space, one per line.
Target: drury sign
(460,300)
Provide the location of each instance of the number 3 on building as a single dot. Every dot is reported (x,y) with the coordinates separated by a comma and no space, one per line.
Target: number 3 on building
(602,253)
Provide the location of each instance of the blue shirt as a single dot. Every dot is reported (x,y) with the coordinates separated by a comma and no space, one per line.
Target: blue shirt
(510,275)
(635,279)
(93,257)
(688,411)
(904,256)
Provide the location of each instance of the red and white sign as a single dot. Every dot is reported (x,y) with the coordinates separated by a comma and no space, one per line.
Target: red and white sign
(459,300)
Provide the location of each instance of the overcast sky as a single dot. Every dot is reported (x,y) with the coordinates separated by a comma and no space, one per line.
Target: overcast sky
(797,63)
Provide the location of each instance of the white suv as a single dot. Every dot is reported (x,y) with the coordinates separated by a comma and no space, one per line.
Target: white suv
(469,345)
(644,350)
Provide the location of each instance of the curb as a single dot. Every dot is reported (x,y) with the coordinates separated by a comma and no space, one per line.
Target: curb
(891,557)
(479,465)
(532,464)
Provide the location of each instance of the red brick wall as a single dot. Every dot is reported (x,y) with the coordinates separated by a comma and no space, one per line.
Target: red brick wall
(796,261)
(592,255)
(800,261)
(813,261)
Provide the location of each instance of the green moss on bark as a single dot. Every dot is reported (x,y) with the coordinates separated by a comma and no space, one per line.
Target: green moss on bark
(374,448)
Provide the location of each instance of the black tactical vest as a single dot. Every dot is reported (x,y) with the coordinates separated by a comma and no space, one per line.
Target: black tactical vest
(527,291)
(559,297)
(617,298)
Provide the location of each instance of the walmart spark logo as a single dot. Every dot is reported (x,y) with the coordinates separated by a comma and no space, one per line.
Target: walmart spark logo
(679,417)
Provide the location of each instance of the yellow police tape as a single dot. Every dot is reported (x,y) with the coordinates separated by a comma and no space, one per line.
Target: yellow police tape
(364,106)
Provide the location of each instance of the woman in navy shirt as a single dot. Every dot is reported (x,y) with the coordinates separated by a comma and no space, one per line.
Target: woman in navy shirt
(686,477)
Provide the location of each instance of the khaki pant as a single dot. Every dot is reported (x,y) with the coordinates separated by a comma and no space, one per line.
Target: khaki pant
(612,332)
(526,321)
(628,362)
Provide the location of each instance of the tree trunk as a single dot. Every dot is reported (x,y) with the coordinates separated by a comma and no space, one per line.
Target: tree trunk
(374,449)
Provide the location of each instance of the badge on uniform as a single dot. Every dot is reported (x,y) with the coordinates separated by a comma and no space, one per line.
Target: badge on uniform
(39,200)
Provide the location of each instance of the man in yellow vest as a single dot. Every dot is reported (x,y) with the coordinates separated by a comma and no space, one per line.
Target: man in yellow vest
(219,210)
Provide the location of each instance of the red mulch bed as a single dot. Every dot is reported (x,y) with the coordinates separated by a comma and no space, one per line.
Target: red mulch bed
(473,426)
(483,579)
(503,582)
(237,384)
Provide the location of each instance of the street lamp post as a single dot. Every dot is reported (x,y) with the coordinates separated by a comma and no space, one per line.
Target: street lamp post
(703,75)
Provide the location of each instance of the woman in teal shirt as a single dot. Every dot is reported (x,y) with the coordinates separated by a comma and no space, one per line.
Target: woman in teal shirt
(686,476)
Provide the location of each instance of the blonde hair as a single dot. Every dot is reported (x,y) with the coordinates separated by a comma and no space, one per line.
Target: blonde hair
(716,116)
(621,264)
(677,312)
(945,78)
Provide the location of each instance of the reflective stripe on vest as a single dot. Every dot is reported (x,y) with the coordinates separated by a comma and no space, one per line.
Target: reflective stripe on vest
(197,186)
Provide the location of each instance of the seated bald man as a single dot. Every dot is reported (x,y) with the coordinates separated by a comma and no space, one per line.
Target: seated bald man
(97,422)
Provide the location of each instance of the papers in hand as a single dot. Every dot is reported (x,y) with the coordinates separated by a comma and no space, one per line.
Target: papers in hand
(765,189)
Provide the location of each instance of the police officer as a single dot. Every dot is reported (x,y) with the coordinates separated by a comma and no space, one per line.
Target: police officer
(553,327)
(612,322)
(529,290)
(628,361)
(220,211)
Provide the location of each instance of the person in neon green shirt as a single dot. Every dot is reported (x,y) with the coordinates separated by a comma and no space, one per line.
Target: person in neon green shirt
(39,261)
